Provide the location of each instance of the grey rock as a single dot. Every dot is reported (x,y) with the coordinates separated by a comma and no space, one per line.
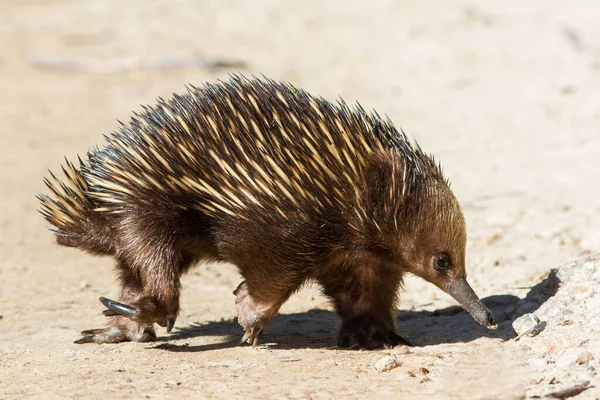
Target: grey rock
(585,270)
(525,323)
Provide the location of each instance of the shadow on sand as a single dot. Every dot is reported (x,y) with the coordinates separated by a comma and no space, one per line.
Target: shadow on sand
(318,328)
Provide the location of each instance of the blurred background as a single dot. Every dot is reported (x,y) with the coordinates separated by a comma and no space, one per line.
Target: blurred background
(505,94)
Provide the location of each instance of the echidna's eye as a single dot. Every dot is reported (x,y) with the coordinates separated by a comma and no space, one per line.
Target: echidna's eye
(442,262)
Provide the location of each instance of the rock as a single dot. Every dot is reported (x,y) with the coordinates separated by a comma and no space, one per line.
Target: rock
(387,363)
(525,323)
(584,271)
(584,357)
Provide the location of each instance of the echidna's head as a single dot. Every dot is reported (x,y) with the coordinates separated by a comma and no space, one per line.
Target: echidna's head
(432,245)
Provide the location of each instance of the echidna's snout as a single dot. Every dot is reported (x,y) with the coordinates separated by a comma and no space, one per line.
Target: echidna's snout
(464,294)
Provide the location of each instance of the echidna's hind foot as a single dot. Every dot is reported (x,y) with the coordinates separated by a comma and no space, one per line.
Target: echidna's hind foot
(253,315)
(121,329)
(145,311)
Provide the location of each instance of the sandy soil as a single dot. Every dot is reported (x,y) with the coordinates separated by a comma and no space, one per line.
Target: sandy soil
(504,93)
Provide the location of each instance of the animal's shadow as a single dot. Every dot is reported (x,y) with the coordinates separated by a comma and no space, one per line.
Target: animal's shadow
(318,328)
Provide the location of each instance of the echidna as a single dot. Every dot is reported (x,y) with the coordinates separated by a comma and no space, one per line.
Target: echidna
(286,186)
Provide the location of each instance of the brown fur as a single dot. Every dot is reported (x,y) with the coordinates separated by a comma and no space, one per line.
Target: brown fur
(286,186)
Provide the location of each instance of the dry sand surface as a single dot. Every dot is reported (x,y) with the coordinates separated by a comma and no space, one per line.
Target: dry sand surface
(505,94)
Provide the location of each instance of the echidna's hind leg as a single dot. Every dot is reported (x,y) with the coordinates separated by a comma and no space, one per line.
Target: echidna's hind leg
(122,328)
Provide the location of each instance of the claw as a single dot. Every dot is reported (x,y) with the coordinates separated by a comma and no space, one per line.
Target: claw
(170,324)
(251,336)
(256,337)
(396,338)
(84,340)
(245,337)
(116,308)
(89,335)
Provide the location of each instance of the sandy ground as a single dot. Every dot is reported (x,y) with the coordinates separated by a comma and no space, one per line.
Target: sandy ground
(505,94)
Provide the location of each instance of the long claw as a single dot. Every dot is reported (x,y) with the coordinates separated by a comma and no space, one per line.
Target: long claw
(91,332)
(256,332)
(85,339)
(170,324)
(109,313)
(396,338)
(119,308)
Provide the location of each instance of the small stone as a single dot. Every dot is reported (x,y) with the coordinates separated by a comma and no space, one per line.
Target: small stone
(525,323)
(584,357)
(387,363)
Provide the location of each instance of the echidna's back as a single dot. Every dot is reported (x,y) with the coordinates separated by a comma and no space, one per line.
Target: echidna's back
(225,148)
(253,149)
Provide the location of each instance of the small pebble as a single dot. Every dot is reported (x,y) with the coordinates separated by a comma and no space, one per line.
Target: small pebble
(387,363)
(584,357)
(525,323)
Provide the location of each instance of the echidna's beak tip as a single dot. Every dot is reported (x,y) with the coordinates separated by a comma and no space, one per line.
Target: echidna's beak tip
(464,294)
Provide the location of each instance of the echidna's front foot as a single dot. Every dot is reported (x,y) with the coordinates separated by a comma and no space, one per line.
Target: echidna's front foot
(145,311)
(253,315)
(360,333)
(121,329)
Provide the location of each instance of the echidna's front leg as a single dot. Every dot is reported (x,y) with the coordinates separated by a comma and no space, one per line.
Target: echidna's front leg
(255,313)
(365,297)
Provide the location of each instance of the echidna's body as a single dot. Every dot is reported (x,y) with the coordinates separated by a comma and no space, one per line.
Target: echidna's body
(286,186)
